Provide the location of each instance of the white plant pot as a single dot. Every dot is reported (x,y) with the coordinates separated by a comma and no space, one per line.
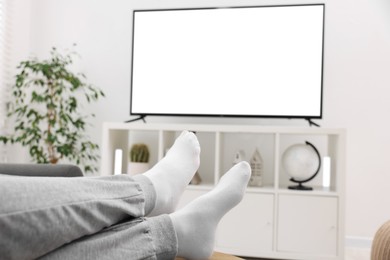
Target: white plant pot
(134,168)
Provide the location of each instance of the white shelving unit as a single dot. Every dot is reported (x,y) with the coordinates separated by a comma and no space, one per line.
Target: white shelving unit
(271,221)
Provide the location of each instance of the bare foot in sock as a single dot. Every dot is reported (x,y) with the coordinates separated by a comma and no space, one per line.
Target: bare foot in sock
(196,223)
(173,173)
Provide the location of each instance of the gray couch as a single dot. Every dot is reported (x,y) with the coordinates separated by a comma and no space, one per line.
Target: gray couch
(50,170)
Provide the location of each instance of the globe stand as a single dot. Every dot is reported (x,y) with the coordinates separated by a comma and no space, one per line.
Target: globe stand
(300,186)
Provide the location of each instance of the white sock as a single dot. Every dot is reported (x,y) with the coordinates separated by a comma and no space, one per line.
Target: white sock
(173,173)
(196,223)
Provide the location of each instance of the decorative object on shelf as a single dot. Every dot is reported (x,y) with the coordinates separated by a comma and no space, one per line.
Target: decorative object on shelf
(302,162)
(49,119)
(196,180)
(239,156)
(139,159)
(118,161)
(257,166)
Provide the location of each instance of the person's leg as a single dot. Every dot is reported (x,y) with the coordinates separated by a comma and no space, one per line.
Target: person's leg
(196,223)
(141,238)
(38,214)
(174,172)
(188,233)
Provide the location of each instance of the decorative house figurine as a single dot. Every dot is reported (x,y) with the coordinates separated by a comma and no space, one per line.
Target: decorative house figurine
(257,166)
(239,156)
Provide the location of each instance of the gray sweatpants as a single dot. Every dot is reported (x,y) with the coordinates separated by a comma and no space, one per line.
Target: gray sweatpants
(82,218)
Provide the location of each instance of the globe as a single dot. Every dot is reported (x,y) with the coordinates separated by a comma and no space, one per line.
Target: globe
(301,162)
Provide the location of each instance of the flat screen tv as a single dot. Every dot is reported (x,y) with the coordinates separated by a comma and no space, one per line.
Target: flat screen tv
(258,61)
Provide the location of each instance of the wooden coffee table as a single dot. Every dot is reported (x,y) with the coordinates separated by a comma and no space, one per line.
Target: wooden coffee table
(218,256)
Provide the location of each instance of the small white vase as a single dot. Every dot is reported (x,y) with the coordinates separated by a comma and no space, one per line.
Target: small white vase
(134,168)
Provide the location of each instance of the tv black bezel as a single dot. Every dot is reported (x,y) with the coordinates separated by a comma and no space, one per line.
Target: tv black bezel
(143,115)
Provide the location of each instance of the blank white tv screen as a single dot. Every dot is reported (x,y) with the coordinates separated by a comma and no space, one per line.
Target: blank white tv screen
(243,61)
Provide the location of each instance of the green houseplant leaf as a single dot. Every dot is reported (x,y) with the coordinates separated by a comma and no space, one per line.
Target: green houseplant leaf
(47,113)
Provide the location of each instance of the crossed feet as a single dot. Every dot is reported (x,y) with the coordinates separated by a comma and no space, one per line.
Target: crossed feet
(196,223)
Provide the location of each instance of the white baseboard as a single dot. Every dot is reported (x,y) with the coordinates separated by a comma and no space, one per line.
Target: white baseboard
(358,242)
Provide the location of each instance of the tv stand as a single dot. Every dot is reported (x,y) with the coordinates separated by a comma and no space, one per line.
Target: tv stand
(311,123)
(274,221)
(136,119)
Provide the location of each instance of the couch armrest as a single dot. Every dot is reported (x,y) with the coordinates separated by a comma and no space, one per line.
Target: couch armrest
(50,170)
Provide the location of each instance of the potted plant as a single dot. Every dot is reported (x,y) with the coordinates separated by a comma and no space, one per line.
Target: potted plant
(139,159)
(47,112)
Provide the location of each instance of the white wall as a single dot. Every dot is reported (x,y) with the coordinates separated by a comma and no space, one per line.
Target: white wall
(20,36)
(356,83)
